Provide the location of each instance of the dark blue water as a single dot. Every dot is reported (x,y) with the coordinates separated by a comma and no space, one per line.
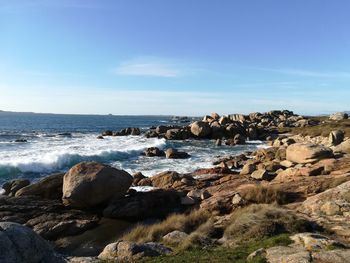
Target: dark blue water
(46,151)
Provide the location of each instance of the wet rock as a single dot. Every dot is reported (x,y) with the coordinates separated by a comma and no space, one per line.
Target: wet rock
(175,154)
(107,133)
(12,187)
(218,142)
(137,178)
(89,184)
(153,151)
(21,140)
(21,244)
(100,137)
(49,187)
(128,131)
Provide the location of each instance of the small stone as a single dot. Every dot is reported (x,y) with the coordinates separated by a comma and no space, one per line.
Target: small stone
(237,200)
(188,201)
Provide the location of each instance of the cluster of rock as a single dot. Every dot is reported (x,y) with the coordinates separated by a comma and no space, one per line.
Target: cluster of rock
(123,132)
(312,175)
(170,153)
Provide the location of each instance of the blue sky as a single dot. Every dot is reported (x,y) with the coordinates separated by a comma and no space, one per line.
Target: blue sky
(188,57)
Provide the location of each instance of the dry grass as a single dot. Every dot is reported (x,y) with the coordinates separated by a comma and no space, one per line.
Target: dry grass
(266,195)
(324,127)
(256,222)
(182,222)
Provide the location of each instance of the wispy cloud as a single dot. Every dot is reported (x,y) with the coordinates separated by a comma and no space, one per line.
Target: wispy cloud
(309,73)
(148,67)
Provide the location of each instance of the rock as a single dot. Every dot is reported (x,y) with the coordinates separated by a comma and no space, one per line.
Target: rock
(287,254)
(100,137)
(128,131)
(175,237)
(307,152)
(330,208)
(126,251)
(239,139)
(175,154)
(215,116)
(21,140)
(21,244)
(12,187)
(338,116)
(137,178)
(49,187)
(205,195)
(188,200)
(177,134)
(142,205)
(200,129)
(313,241)
(344,147)
(286,163)
(224,120)
(165,179)
(334,201)
(288,174)
(237,200)
(248,168)
(153,151)
(260,253)
(48,218)
(107,133)
(195,194)
(89,184)
(332,256)
(261,174)
(218,142)
(336,137)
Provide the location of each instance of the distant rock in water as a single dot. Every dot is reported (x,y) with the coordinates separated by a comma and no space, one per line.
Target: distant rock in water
(128,131)
(21,140)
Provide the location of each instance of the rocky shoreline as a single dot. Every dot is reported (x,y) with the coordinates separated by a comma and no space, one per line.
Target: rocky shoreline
(289,202)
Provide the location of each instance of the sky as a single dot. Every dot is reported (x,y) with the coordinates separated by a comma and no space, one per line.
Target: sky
(183,57)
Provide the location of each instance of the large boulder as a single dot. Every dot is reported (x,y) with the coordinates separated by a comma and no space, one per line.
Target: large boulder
(89,184)
(49,187)
(307,152)
(338,116)
(21,244)
(200,129)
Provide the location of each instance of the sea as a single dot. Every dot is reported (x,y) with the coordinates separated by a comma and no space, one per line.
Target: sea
(55,142)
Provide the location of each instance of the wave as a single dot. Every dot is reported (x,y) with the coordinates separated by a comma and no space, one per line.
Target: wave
(59,155)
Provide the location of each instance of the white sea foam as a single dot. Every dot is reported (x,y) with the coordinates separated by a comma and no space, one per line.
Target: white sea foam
(54,154)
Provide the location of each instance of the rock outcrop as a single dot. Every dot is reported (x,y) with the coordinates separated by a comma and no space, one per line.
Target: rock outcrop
(21,244)
(89,184)
(307,153)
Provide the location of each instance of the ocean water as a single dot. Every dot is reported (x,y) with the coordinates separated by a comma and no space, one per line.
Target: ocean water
(57,142)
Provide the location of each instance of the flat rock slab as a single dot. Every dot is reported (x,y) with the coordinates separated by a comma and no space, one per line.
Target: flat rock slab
(48,218)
